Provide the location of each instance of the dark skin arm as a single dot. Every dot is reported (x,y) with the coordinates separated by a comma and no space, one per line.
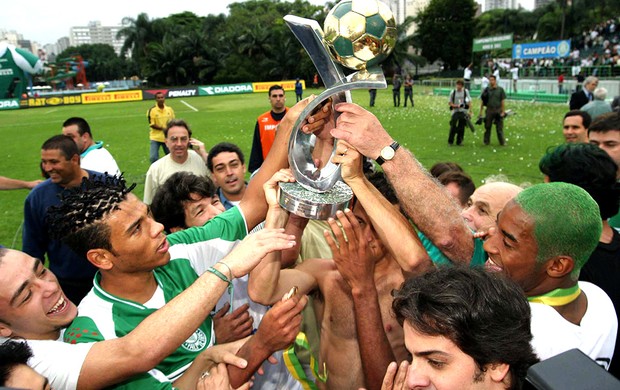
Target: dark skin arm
(276,331)
(352,258)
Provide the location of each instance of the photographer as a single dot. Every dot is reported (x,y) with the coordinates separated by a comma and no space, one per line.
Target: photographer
(460,105)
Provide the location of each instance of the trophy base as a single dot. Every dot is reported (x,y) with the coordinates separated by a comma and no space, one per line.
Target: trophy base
(314,205)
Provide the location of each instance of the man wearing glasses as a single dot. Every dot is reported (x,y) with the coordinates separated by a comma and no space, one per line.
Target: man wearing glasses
(265,129)
(178,140)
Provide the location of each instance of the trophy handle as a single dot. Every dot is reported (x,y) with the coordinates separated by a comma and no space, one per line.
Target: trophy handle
(310,35)
(301,145)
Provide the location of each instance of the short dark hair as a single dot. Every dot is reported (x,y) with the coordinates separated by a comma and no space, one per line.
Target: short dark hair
(82,125)
(78,219)
(586,119)
(461,179)
(441,167)
(586,166)
(275,87)
(492,76)
(221,148)
(12,353)
(167,204)
(61,142)
(607,122)
(484,314)
(179,123)
(460,82)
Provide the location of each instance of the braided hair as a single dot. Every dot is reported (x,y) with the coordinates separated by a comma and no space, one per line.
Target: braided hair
(78,219)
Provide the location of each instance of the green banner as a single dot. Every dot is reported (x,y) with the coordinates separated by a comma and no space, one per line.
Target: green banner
(9,104)
(493,43)
(211,90)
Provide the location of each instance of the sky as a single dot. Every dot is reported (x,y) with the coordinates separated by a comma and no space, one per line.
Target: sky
(45,21)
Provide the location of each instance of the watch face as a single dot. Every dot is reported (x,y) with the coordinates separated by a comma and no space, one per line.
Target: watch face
(387,153)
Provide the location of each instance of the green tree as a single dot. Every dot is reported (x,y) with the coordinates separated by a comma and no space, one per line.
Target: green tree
(103,63)
(445,31)
(403,53)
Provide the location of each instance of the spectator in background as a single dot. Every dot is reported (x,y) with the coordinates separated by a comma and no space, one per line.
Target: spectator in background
(561,83)
(408,90)
(598,105)
(467,72)
(441,167)
(158,117)
(265,128)
(93,155)
(583,96)
(459,185)
(60,159)
(495,111)
(575,126)
(373,96)
(396,84)
(227,166)
(181,159)
(299,89)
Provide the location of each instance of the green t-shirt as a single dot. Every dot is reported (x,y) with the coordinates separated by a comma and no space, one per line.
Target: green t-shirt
(438,258)
(103,316)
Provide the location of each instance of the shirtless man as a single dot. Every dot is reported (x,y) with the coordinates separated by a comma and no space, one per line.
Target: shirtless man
(339,330)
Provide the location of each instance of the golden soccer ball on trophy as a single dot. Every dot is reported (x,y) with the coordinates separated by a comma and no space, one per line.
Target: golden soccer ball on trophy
(360,33)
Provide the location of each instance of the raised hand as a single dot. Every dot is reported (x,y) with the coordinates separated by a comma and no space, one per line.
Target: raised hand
(351,253)
(361,129)
(232,326)
(249,252)
(280,325)
(396,376)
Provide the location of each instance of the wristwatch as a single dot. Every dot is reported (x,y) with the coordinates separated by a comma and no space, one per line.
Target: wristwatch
(387,153)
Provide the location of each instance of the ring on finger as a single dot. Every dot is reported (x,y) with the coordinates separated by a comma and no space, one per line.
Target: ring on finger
(204,375)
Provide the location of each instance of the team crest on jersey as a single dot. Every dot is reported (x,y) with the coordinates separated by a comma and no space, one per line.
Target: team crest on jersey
(196,342)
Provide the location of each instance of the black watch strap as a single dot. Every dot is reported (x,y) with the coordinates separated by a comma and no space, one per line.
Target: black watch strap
(394,145)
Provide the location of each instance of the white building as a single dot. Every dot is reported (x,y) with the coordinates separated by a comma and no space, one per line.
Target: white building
(499,4)
(96,33)
(404,8)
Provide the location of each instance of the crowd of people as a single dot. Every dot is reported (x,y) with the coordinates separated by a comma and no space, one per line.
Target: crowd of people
(423,281)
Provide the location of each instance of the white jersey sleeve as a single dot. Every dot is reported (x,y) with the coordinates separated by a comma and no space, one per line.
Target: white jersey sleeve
(59,362)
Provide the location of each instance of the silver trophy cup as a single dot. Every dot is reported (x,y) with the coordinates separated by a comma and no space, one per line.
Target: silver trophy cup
(319,190)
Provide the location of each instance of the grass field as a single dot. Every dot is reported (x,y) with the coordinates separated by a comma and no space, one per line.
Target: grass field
(124,128)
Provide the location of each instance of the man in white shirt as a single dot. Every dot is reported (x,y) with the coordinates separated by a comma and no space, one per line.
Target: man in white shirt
(180,159)
(93,156)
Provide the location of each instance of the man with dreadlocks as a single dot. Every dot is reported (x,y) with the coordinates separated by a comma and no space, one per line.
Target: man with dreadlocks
(140,269)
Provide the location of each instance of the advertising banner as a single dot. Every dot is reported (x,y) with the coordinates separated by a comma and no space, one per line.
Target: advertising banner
(149,94)
(288,85)
(9,104)
(224,89)
(51,101)
(111,97)
(493,43)
(551,49)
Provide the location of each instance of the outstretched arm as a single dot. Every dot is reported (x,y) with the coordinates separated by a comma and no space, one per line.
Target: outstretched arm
(277,330)
(268,282)
(415,188)
(112,361)
(394,230)
(7,183)
(352,258)
(253,203)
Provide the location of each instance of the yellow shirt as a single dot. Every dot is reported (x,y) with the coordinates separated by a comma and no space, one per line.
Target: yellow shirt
(160,117)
